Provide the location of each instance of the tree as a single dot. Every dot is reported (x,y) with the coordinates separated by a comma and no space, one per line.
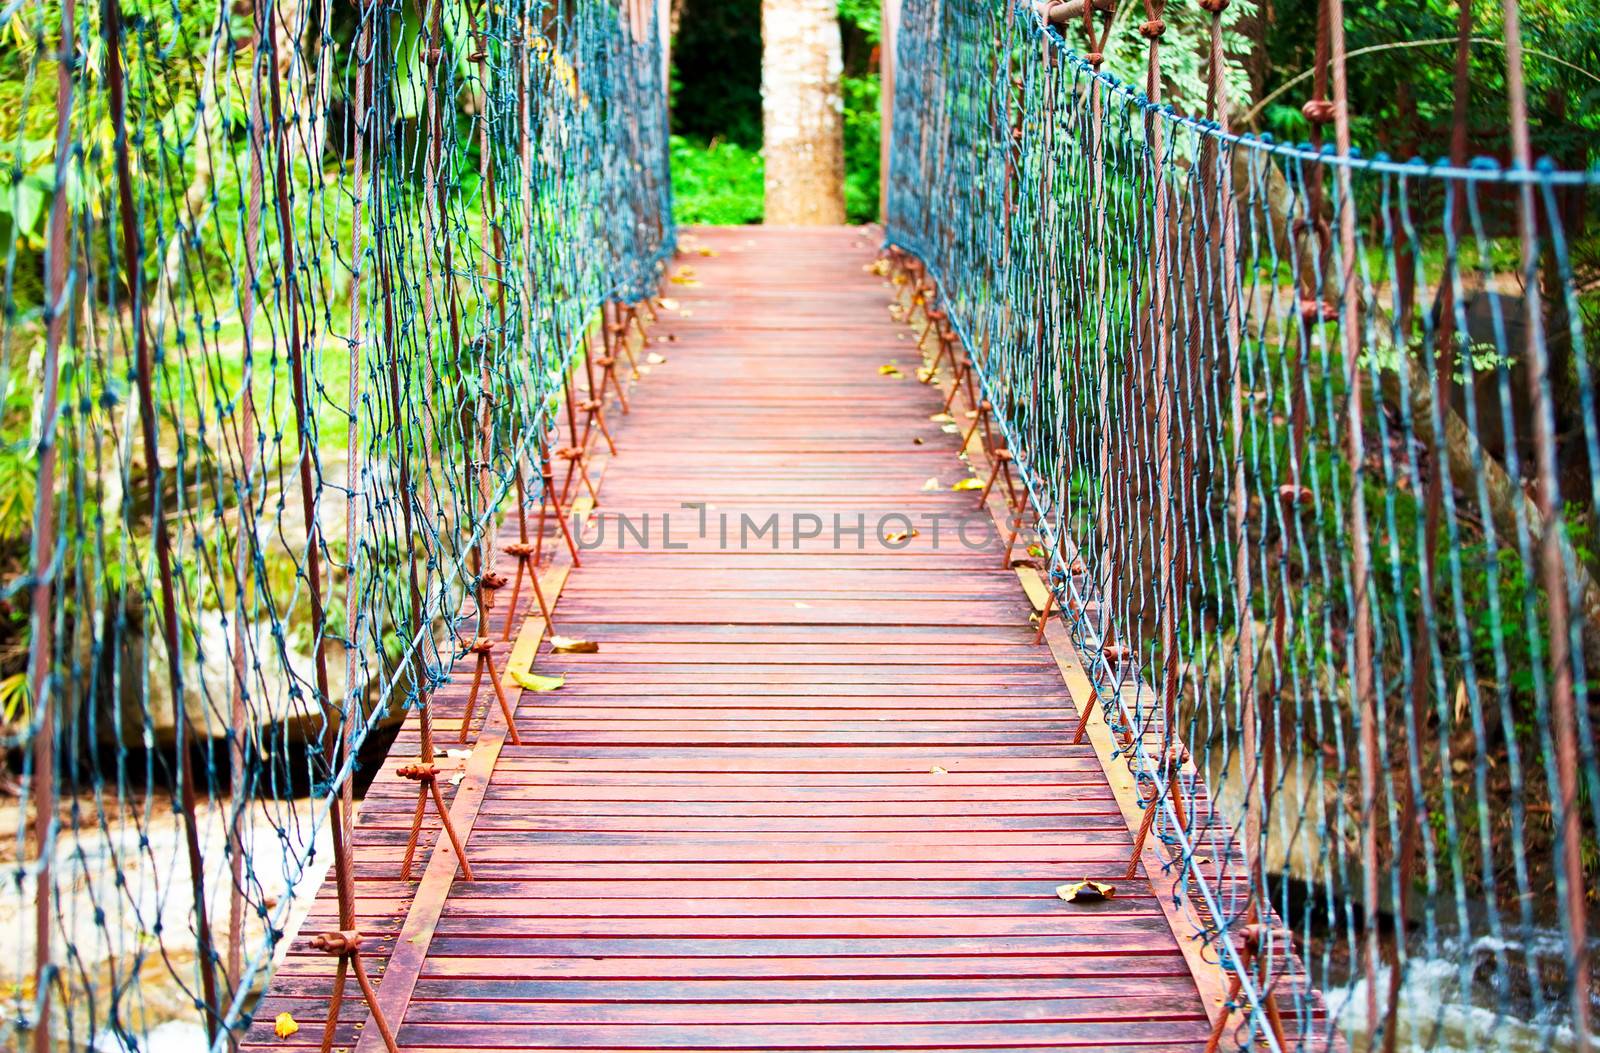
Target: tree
(801,112)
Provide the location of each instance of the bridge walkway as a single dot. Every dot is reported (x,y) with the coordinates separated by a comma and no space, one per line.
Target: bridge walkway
(805,795)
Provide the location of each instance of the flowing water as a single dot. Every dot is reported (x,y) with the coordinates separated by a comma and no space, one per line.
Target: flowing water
(1435,1016)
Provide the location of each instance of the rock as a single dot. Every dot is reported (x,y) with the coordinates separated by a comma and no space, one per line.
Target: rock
(276,674)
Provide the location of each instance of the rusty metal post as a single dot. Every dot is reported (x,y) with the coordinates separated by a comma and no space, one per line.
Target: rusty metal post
(41,646)
(144,368)
(524,552)
(1411,808)
(1105,578)
(1552,546)
(345,947)
(246,527)
(1360,557)
(364,94)
(1168,584)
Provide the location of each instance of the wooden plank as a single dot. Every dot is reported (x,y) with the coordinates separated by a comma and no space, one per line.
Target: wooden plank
(520,660)
(763,969)
(1095,986)
(405,961)
(1133,1032)
(951,1009)
(1033,585)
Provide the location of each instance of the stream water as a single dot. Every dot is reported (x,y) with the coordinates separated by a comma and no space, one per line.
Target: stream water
(1435,1017)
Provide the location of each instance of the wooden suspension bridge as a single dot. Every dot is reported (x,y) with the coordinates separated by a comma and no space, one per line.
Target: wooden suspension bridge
(808,793)
(737,712)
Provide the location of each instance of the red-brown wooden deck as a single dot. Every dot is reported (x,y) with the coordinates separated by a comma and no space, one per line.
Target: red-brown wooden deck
(806,798)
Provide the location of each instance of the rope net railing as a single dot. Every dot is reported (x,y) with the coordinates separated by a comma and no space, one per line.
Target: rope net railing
(294,296)
(1310,446)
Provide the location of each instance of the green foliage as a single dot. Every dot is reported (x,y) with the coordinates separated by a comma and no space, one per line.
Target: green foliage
(861,147)
(17,481)
(864,15)
(1402,99)
(716,72)
(715,182)
(16,700)
(1185,51)
(860,32)
(25,191)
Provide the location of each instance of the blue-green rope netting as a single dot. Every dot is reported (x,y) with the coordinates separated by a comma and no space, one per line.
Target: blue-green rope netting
(1153,308)
(369,239)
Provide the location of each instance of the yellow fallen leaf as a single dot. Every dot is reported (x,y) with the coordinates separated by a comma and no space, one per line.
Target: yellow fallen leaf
(890,369)
(679,279)
(927,374)
(1036,551)
(655,358)
(933,484)
(942,418)
(285,1025)
(1086,891)
(901,535)
(879,267)
(709,252)
(569,645)
(937,770)
(535,682)
(950,429)
(969,483)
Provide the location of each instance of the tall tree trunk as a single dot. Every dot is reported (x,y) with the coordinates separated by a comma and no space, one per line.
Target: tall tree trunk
(801,112)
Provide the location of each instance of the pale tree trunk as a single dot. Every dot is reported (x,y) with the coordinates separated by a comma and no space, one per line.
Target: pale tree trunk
(801,121)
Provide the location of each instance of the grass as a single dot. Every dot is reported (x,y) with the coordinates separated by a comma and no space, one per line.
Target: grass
(715,182)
